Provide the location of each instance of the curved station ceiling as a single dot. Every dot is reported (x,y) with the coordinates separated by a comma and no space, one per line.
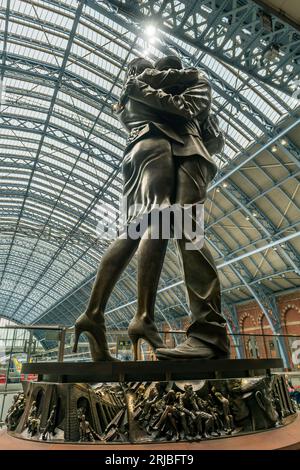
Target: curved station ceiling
(62,65)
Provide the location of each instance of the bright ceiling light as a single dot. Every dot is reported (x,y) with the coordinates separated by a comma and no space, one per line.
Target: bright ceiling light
(150,30)
(283,142)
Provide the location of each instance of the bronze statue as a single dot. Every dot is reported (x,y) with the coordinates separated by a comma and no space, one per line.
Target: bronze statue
(278,407)
(252,405)
(50,425)
(186,416)
(33,426)
(33,410)
(85,430)
(15,411)
(33,422)
(10,411)
(183,415)
(165,163)
(228,418)
(143,409)
(168,420)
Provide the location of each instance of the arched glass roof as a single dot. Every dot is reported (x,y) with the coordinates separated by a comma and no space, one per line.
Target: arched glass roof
(62,66)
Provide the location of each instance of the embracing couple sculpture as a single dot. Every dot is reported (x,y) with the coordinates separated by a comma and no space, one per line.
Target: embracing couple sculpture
(165,163)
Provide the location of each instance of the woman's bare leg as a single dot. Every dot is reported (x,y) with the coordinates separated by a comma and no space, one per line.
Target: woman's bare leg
(113,263)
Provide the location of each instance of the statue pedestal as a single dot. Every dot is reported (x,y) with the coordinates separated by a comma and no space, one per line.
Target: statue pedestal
(144,402)
(141,371)
(285,437)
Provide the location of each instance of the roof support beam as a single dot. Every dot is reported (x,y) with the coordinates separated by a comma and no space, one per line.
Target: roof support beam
(259,250)
(234,22)
(236,167)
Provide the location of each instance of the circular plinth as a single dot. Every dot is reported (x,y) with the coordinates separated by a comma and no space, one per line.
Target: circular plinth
(147,412)
(284,438)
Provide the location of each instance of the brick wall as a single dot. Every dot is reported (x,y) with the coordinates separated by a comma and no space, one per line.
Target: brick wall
(253,321)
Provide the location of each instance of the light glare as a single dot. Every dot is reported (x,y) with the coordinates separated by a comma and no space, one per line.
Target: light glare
(150,30)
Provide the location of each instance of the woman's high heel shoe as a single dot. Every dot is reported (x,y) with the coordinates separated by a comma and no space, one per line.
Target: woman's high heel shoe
(138,329)
(95,333)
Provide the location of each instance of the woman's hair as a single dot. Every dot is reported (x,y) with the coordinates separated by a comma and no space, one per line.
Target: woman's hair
(137,66)
(169,62)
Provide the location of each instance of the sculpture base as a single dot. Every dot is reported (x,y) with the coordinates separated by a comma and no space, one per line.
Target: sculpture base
(283,438)
(149,410)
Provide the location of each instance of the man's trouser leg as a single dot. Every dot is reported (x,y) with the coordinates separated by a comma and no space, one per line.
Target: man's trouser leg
(199,269)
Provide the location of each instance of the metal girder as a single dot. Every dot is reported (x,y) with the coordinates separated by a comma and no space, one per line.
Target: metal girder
(80,185)
(237,37)
(234,167)
(39,291)
(48,74)
(56,165)
(56,235)
(231,94)
(259,250)
(35,267)
(82,115)
(247,107)
(60,275)
(291,151)
(235,239)
(242,201)
(4,38)
(62,135)
(268,7)
(47,200)
(246,204)
(67,259)
(65,120)
(55,28)
(61,263)
(258,280)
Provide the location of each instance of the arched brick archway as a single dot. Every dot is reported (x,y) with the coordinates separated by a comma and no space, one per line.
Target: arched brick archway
(248,327)
(247,323)
(290,322)
(269,340)
(260,336)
